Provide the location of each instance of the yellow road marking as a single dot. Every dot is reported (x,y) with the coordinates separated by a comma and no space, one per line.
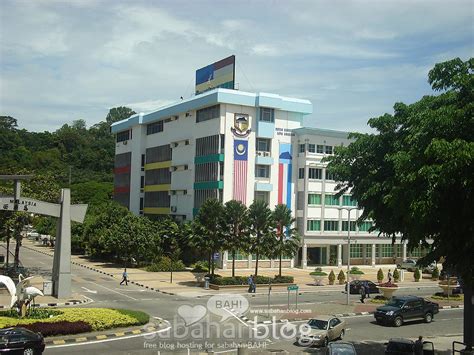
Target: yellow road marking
(120,334)
(101,336)
(136,331)
(58,342)
(81,339)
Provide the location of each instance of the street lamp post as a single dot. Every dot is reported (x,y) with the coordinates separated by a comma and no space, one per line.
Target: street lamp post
(348,249)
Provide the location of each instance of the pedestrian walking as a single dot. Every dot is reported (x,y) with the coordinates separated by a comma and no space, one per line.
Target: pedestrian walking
(389,275)
(419,346)
(362,293)
(250,283)
(367,289)
(124,277)
(254,283)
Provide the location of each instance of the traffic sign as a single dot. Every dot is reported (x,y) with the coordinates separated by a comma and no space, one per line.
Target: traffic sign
(293,288)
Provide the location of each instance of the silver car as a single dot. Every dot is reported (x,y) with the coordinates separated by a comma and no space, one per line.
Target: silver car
(320,331)
(408,264)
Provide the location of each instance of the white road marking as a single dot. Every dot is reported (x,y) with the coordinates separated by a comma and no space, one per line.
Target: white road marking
(129,290)
(87,290)
(122,294)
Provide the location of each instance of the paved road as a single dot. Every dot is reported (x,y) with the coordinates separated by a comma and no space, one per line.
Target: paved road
(106,292)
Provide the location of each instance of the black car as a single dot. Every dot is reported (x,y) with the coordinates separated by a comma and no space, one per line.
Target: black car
(20,341)
(340,348)
(407,347)
(405,308)
(356,284)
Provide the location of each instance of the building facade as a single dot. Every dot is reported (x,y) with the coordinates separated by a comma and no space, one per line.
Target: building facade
(230,144)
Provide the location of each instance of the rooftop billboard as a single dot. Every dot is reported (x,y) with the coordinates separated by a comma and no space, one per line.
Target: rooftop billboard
(220,74)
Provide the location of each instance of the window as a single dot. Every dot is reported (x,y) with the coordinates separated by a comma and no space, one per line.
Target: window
(320,149)
(301,173)
(263,145)
(331,200)
(143,160)
(207,145)
(123,136)
(262,171)
(158,154)
(158,176)
(157,199)
(153,128)
(142,182)
(365,226)
(267,114)
(356,250)
(206,172)
(312,148)
(302,148)
(329,175)
(262,196)
(348,201)
(315,173)
(141,203)
(344,226)
(207,113)
(314,199)
(313,225)
(417,252)
(387,250)
(328,149)
(238,256)
(331,226)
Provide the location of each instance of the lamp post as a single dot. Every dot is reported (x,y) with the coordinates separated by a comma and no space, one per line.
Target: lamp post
(348,209)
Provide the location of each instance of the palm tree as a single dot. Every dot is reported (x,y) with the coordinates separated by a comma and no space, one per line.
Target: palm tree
(207,229)
(261,229)
(235,225)
(288,238)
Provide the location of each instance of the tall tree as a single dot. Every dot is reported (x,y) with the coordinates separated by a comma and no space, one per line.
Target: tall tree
(288,238)
(415,176)
(235,224)
(262,230)
(119,113)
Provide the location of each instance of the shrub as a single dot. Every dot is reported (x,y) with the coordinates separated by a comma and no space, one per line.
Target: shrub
(341,277)
(165,264)
(59,328)
(200,266)
(242,280)
(355,271)
(417,274)
(331,277)
(141,317)
(396,275)
(379,275)
(388,284)
(318,272)
(318,269)
(435,273)
(283,279)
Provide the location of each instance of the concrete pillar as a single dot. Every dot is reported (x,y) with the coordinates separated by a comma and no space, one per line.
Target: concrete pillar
(339,255)
(62,249)
(225,257)
(373,255)
(304,257)
(404,251)
(364,254)
(249,261)
(292,263)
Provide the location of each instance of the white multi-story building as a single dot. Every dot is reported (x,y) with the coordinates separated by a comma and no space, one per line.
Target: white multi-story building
(230,144)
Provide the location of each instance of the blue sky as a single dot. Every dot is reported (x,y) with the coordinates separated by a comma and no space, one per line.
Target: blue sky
(67,60)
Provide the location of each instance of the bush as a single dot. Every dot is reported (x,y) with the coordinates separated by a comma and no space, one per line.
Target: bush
(355,271)
(318,272)
(341,277)
(283,279)
(435,273)
(396,275)
(417,274)
(141,317)
(379,275)
(331,277)
(242,280)
(200,266)
(165,264)
(59,328)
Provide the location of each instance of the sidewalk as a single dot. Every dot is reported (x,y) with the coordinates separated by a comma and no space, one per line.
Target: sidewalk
(184,283)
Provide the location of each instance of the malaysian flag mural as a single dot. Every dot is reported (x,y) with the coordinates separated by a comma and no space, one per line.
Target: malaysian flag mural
(284,175)
(240,170)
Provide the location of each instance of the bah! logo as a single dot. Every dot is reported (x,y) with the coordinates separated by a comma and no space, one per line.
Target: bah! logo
(241,125)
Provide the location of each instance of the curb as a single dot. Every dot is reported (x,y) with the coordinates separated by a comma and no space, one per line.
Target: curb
(102,272)
(118,334)
(340,315)
(55,304)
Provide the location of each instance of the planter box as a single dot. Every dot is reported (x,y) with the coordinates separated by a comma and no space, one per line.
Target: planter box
(318,280)
(229,287)
(448,289)
(387,291)
(199,277)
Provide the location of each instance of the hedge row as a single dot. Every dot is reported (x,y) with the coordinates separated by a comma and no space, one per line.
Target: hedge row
(243,280)
(59,328)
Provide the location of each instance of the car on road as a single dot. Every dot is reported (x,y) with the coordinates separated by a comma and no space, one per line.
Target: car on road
(340,348)
(407,347)
(20,340)
(356,284)
(320,331)
(408,264)
(406,308)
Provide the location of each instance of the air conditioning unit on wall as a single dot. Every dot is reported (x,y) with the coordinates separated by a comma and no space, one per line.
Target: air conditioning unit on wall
(260,153)
(266,154)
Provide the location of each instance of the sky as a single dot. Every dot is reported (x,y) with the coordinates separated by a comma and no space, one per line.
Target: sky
(66,60)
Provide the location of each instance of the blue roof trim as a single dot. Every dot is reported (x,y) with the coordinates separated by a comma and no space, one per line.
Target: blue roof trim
(213,97)
(321,132)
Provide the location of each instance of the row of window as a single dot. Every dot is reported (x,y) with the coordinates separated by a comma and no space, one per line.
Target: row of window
(209,145)
(157,199)
(384,251)
(124,136)
(159,154)
(209,172)
(158,176)
(316,148)
(155,127)
(241,256)
(314,225)
(331,200)
(315,174)
(208,113)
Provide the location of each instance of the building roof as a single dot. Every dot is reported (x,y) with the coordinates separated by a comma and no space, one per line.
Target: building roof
(214,97)
(320,132)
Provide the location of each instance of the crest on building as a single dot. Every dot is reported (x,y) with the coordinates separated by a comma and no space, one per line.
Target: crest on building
(241,125)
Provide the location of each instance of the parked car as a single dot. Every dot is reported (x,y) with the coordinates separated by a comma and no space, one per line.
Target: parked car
(407,347)
(355,286)
(429,269)
(406,308)
(408,264)
(341,348)
(19,340)
(320,331)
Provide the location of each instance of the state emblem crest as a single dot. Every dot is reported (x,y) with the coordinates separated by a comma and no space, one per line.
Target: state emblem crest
(241,125)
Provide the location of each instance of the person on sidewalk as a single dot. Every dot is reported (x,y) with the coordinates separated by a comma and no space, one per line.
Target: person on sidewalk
(250,283)
(419,346)
(389,275)
(124,277)
(254,283)
(367,289)
(362,293)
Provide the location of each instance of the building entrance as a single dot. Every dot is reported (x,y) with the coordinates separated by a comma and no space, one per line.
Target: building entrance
(317,256)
